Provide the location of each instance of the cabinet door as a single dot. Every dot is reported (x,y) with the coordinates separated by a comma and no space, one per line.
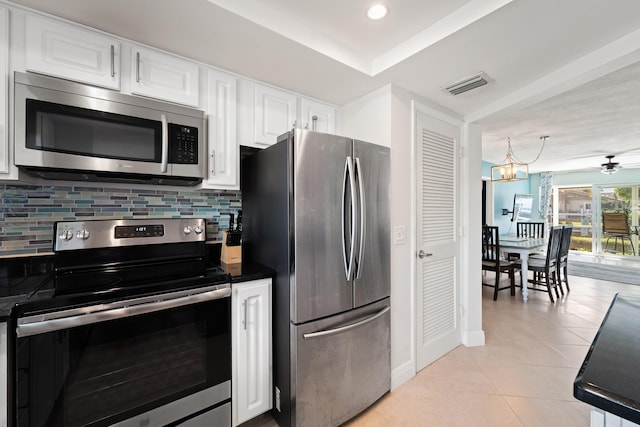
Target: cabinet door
(4,67)
(274,114)
(71,52)
(251,323)
(317,116)
(162,76)
(4,377)
(223,163)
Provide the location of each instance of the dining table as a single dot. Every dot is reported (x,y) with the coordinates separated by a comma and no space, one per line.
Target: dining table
(523,246)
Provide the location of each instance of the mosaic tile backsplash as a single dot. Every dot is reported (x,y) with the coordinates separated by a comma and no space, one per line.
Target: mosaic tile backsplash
(27,212)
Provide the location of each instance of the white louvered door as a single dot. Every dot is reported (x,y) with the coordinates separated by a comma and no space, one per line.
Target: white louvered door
(438,329)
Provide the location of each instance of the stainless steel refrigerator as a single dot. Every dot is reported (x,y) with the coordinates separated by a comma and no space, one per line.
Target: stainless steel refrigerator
(316,210)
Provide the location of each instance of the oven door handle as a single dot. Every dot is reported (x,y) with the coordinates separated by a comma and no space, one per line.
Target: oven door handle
(116,310)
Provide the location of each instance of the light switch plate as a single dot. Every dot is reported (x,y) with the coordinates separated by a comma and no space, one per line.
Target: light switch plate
(400,235)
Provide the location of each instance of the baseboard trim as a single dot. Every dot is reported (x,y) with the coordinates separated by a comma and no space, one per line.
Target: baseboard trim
(402,374)
(473,339)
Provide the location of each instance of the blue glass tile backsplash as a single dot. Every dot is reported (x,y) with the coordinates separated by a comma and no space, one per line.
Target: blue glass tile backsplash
(27,212)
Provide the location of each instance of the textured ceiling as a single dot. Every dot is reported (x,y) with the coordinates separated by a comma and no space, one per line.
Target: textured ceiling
(598,118)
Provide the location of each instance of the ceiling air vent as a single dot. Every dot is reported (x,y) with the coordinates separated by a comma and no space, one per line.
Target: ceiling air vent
(468,84)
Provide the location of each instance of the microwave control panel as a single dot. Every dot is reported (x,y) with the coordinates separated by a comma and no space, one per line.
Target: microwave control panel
(184,144)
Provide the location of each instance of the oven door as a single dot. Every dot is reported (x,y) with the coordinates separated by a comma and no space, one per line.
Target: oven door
(146,361)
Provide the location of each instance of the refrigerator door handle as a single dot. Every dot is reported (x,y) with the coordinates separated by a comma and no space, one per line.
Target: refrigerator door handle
(363,217)
(344,245)
(345,328)
(348,264)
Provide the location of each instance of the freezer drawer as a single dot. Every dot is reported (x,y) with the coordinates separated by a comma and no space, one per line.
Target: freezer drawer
(342,365)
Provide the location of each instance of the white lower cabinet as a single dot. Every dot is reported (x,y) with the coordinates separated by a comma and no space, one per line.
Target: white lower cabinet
(251,347)
(600,418)
(4,375)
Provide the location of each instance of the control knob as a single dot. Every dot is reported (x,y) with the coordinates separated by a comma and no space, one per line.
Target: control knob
(198,229)
(187,230)
(66,235)
(83,234)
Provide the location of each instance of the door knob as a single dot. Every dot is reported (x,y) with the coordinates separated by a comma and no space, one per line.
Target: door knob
(423,254)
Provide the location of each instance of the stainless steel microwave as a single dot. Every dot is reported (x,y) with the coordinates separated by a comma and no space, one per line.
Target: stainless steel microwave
(70,131)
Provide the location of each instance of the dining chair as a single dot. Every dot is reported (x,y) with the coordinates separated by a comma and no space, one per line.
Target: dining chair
(563,256)
(530,229)
(491,260)
(544,268)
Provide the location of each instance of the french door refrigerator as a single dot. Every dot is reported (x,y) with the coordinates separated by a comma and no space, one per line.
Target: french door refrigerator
(316,210)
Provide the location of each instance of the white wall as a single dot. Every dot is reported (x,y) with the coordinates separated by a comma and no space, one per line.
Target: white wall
(623,176)
(471,243)
(402,256)
(368,118)
(384,117)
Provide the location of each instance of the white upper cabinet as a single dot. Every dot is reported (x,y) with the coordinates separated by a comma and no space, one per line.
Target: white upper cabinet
(4,99)
(317,116)
(163,76)
(275,112)
(265,113)
(71,52)
(223,162)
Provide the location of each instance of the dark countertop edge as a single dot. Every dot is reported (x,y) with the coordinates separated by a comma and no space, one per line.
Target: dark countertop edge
(249,271)
(606,400)
(598,397)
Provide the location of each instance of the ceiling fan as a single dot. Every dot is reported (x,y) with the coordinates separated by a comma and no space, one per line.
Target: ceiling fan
(610,167)
(630,158)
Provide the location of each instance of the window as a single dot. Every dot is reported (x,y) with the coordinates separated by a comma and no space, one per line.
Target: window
(574,207)
(583,207)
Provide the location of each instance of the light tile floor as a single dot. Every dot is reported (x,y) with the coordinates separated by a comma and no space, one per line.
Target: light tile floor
(523,376)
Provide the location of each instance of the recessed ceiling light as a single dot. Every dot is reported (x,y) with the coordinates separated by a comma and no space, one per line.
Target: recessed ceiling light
(377,11)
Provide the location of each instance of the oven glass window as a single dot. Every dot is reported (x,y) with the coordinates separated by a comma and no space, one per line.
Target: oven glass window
(74,130)
(110,371)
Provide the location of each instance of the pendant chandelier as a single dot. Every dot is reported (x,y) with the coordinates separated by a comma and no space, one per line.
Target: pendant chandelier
(511,169)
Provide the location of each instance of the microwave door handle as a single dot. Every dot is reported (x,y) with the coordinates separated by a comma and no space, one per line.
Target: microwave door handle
(165,144)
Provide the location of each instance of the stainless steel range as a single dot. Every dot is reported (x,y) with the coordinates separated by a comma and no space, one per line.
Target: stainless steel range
(132,329)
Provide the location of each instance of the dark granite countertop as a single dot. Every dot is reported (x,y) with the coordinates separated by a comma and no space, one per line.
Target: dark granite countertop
(609,378)
(247,271)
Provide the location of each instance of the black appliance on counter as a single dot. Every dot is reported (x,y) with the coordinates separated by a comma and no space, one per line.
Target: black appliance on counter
(133,329)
